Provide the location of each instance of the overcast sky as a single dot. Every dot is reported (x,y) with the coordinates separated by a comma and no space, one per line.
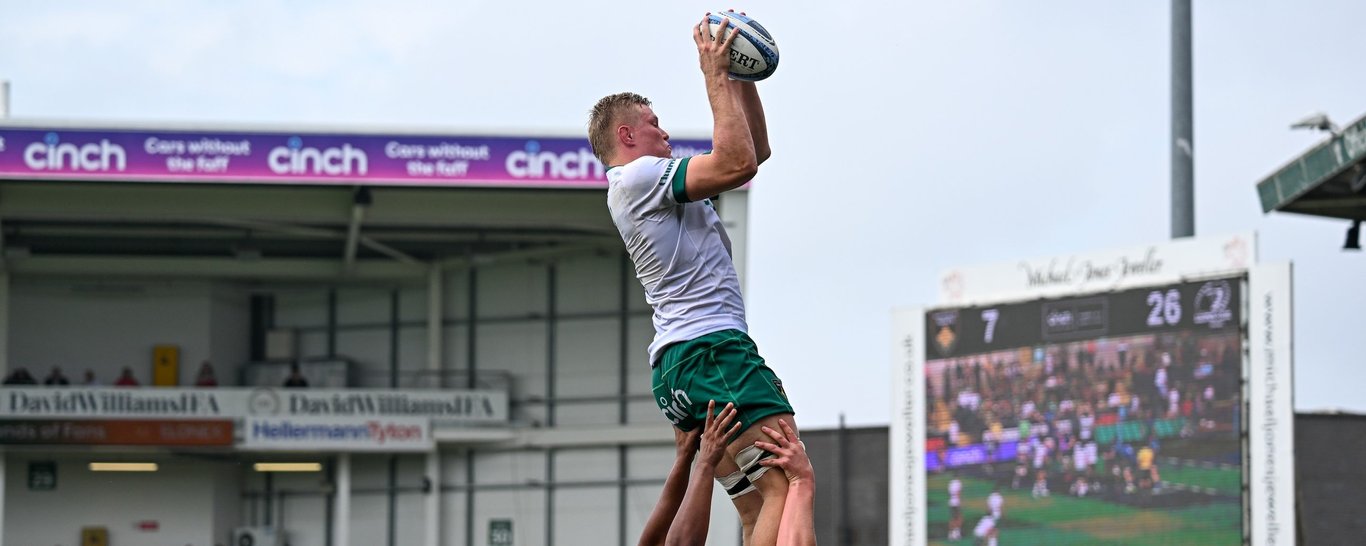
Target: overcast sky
(908,137)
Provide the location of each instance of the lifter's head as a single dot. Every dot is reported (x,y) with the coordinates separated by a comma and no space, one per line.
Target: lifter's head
(623,128)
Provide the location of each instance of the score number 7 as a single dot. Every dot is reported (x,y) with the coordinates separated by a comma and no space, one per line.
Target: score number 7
(990,316)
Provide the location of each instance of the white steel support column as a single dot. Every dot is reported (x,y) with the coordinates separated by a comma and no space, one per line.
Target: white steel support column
(4,325)
(734,212)
(341,509)
(4,343)
(436,316)
(433,519)
(4,490)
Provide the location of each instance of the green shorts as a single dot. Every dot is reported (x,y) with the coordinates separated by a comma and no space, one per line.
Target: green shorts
(723,366)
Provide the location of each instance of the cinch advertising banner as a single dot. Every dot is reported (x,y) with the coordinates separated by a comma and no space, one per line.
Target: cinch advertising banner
(139,155)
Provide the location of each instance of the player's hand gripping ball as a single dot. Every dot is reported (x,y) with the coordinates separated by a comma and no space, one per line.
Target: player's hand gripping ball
(754,54)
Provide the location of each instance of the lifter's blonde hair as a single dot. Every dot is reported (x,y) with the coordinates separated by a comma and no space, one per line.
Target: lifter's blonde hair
(605,116)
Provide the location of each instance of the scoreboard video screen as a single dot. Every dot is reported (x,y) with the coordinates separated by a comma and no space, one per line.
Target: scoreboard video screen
(1102,419)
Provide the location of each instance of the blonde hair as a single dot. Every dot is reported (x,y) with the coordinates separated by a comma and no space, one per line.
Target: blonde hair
(604,117)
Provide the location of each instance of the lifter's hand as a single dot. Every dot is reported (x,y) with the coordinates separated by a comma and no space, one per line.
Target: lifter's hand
(686,442)
(713,53)
(791,454)
(716,433)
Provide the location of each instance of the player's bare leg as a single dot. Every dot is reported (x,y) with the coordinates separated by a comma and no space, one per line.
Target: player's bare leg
(772,486)
(747,505)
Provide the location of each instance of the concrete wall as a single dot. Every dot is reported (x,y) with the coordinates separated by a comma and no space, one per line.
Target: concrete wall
(1330,476)
(180,497)
(227,501)
(583,507)
(851,484)
(229,335)
(552,334)
(512,334)
(198,501)
(570,496)
(106,325)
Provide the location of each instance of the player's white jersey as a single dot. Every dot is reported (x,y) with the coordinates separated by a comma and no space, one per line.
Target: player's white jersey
(1080,459)
(680,249)
(1087,423)
(1040,454)
(984,526)
(995,502)
(955,492)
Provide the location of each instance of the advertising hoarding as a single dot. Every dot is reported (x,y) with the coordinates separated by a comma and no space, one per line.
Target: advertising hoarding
(342,434)
(1098,271)
(52,152)
(118,432)
(447,406)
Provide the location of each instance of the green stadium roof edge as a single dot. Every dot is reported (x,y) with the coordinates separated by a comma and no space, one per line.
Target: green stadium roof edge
(1328,180)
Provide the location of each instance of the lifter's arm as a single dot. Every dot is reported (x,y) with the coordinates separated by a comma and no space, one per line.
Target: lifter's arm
(798,525)
(690,527)
(732,162)
(657,527)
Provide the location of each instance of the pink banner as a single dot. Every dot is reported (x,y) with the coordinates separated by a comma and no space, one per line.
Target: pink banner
(38,153)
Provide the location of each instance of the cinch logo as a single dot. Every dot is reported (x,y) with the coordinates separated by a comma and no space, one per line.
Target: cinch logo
(678,409)
(533,163)
(54,155)
(294,158)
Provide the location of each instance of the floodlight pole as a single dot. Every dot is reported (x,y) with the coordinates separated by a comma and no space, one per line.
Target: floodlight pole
(1183,139)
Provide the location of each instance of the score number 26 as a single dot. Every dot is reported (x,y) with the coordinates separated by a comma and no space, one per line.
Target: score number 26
(1165,309)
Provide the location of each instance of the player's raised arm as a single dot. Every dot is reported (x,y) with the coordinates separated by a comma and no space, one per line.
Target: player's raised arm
(754,110)
(754,117)
(732,162)
(657,526)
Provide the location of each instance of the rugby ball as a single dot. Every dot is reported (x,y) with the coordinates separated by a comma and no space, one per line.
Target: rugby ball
(753,54)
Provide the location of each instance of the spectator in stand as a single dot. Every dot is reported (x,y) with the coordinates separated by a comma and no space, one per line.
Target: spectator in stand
(296,378)
(56,378)
(1160,376)
(90,380)
(1174,402)
(206,377)
(126,378)
(20,376)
